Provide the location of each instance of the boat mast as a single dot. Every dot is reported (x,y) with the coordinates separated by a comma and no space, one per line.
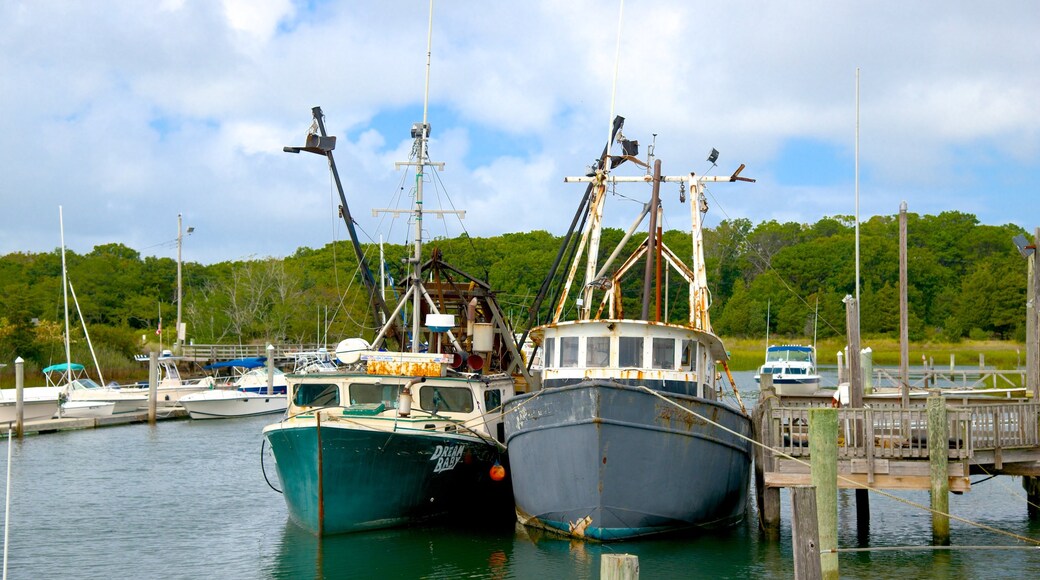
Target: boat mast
(424,134)
(65,294)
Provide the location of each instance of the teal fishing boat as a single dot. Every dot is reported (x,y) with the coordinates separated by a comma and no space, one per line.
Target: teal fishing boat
(393,437)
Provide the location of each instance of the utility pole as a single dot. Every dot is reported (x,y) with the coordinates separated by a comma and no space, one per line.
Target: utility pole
(178,332)
(177,329)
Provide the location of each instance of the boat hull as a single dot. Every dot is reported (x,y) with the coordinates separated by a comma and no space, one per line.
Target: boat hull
(32,410)
(218,404)
(606,461)
(368,479)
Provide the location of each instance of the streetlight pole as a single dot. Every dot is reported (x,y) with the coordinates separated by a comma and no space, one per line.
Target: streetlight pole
(177,329)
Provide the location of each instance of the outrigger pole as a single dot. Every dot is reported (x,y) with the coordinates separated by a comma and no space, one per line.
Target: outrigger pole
(321,144)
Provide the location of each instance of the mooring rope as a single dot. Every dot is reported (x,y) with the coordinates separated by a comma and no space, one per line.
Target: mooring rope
(843,478)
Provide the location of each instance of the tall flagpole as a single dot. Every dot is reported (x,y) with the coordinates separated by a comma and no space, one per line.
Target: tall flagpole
(857,185)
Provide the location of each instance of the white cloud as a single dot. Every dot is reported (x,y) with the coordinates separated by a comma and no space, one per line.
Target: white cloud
(129,113)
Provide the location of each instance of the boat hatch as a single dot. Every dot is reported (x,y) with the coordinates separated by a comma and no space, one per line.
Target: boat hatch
(364,409)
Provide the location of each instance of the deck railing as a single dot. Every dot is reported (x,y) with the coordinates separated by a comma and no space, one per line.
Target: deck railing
(897,433)
(218,352)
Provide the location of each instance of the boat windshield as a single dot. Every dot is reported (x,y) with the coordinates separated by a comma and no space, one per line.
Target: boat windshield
(445,399)
(82,384)
(789,355)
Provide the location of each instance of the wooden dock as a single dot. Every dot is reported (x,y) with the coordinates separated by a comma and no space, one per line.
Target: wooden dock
(885,446)
(73,424)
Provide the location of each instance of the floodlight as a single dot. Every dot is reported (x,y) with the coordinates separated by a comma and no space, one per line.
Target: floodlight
(1023,245)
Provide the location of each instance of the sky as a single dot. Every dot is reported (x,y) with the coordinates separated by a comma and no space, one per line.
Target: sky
(128,113)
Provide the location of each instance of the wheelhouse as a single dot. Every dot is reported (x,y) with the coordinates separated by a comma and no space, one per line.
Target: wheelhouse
(662,356)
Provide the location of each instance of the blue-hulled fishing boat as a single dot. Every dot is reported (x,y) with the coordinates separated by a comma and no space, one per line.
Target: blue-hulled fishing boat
(629,435)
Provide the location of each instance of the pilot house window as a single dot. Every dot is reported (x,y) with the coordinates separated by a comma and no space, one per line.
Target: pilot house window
(569,351)
(445,399)
(664,353)
(630,352)
(597,351)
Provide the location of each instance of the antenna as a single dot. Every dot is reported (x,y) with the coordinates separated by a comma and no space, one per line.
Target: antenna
(613,88)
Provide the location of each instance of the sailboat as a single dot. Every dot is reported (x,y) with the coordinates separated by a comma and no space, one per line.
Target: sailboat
(629,435)
(399,436)
(80,395)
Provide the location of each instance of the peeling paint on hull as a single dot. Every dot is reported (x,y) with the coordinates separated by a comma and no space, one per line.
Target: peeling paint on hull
(606,461)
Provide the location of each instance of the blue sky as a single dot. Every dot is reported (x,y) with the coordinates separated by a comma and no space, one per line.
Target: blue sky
(129,114)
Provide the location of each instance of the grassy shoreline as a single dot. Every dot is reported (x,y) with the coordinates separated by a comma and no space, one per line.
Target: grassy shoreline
(748,354)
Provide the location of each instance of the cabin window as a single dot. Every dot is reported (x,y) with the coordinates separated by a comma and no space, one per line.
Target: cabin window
(492,400)
(445,399)
(569,351)
(664,353)
(630,351)
(316,395)
(689,356)
(550,352)
(373,394)
(597,351)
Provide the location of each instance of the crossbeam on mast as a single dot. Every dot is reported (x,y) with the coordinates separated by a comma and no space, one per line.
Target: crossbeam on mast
(437,212)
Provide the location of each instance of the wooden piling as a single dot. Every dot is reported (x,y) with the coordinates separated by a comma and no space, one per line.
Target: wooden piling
(1032,486)
(805,534)
(19,396)
(619,567)
(823,456)
(153,384)
(866,362)
(768,497)
(1033,323)
(856,380)
(904,314)
(937,460)
(982,360)
(270,370)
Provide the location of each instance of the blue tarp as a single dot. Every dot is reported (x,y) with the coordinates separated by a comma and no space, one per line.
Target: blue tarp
(249,363)
(60,368)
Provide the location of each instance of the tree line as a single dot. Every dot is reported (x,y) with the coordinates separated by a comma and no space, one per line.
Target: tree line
(966,279)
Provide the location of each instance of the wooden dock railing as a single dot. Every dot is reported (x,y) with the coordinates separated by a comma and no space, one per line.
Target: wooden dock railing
(219,352)
(891,432)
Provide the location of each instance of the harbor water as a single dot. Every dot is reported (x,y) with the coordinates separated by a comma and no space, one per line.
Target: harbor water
(188,499)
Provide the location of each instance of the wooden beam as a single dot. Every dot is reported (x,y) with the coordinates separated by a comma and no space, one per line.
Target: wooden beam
(859,481)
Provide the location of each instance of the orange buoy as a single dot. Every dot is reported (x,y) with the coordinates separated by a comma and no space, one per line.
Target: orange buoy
(498,473)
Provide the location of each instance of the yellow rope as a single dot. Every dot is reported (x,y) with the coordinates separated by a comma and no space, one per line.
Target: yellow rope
(841,477)
(1013,491)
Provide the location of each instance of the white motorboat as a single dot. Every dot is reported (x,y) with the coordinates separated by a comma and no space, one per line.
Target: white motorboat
(83,388)
(86,409)
(33,409)
(225,404)
(793,368)
(171,387)
(246,396)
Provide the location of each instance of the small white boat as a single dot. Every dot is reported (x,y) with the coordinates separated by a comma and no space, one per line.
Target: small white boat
(86,409)
(224,404)
(793,368)
(170,386)
(33,409)
(246,394)
(71,379)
